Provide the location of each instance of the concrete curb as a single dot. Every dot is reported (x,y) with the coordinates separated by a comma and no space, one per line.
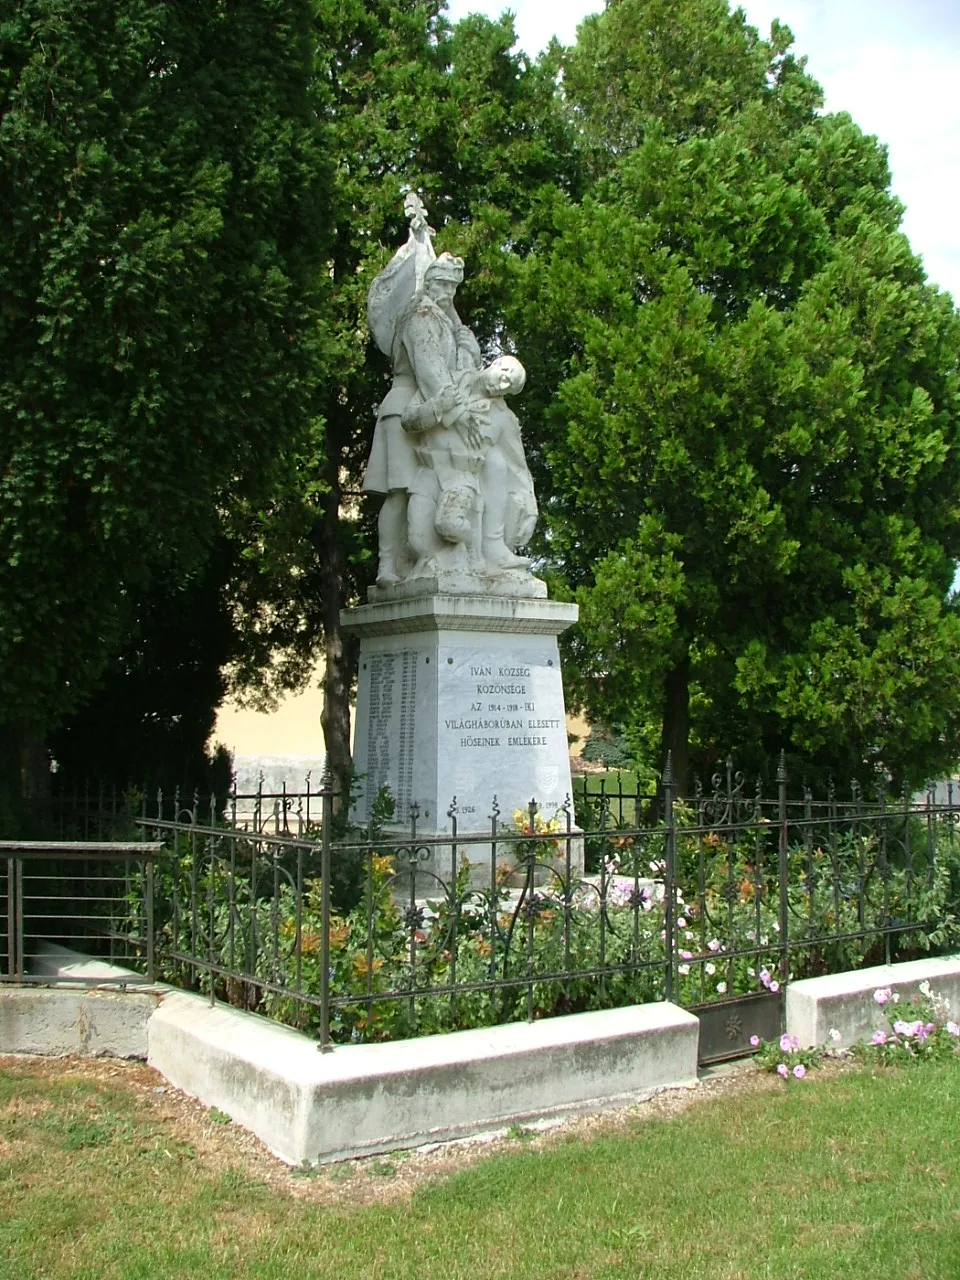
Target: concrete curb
(844,1001)
(360,1099)
(308,1106)
(62,1020)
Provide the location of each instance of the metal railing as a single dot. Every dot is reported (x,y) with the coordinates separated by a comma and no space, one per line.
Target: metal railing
(95,898)
(91,812)
(395,932)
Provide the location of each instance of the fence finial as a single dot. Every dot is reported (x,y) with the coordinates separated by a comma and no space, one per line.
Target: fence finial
(668,770)
(782,767)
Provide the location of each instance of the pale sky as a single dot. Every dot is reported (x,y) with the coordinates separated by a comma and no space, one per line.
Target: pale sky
(893,64)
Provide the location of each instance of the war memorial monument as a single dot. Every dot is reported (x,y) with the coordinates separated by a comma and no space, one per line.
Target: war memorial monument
(459,695)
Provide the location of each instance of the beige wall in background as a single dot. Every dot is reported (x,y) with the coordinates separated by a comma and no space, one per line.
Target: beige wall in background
(292,730)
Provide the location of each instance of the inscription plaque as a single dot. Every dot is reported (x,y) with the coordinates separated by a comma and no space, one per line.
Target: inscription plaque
(391,728)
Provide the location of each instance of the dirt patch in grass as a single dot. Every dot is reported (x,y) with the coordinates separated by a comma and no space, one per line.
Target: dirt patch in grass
(167,1118)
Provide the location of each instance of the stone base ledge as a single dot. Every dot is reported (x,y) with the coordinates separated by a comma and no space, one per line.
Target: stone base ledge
(440,612)
(844,1001)
(308,1106)
(61,1021)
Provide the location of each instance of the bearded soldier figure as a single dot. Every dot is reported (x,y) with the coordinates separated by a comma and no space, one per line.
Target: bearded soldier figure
(430,345)
(436,453)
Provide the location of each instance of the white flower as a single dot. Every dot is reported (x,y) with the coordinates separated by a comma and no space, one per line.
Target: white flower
(711,969)
(722,988)
(683,968)
(925,989)
(752,973)
(835,1035)
(681,923)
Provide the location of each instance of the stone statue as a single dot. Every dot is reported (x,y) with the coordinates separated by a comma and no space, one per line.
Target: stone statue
(447,451)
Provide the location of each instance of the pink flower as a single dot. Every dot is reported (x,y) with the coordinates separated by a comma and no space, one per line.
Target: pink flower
(681,922)
(953,1029)
(783,1069)
(714,945)
(799,1070)
(765,977)
(879,1037)
(774,987)
(882,995)
(754,1041)
(686,955)
(787,1043)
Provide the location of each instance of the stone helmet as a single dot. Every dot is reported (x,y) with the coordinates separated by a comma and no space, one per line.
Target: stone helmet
(446,267)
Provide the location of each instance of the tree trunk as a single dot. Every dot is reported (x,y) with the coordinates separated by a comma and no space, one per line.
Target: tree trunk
(339,651)
(675,736)
(35,797)
(34,765)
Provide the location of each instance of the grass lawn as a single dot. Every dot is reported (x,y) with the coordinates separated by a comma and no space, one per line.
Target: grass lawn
(845,1174)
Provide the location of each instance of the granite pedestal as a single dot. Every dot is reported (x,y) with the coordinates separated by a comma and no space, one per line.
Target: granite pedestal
(460,702)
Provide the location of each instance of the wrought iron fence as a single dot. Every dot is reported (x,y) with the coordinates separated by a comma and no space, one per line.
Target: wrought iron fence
(91,812)
(397,932)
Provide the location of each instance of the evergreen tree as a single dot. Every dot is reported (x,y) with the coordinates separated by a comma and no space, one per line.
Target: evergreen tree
(167,204)
(477,130)
(754,447)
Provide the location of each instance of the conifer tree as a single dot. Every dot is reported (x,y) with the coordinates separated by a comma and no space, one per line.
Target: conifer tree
(167,205)
(753,450)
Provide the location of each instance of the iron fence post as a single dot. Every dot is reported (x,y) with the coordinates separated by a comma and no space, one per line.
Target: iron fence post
(783,875)
(529,893)
(15,916)
(327,796)
(454,901)
(669,873)
(883,864)
(151,966)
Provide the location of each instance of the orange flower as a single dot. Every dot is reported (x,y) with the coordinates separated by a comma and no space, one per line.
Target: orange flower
(309,942)
(360,965)
(339,933)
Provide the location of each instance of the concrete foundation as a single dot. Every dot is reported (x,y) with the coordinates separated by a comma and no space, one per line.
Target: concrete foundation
(94,1023)
(844,1001)
(361,1099)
